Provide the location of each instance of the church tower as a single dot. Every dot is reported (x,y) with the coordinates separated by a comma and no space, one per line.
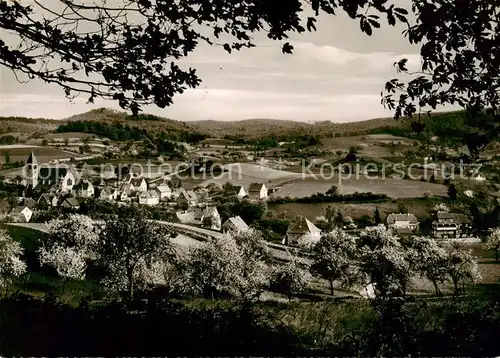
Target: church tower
(31,170)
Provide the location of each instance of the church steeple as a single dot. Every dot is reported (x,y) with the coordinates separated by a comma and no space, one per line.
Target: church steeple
(31,170)
(31,159)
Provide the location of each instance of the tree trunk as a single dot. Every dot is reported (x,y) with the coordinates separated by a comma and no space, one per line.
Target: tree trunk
(436,287)
(331,288)
(130,278)
(457,289)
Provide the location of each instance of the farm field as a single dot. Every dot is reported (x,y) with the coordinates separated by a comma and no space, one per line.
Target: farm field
(393,188)
(238,179)
(70,135)
(369,139)
(43,154)
(244,174)
(421,208)
(258,171)
(16,146)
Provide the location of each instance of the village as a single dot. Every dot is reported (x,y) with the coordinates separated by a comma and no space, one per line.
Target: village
(66,187)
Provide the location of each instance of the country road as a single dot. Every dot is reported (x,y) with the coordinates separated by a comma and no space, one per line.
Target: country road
(184,242)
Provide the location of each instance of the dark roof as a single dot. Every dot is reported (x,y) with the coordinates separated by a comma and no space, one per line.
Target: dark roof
(71,201)
(30,203)
(53,174)
(255,187)
(31,159)
(163,188)
(457,217)
(233,189)
(302,226)
(189,195)
(47,197)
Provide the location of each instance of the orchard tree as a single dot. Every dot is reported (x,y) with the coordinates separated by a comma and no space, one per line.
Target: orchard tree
(130,246)
(429,260)
(493,242)
(255,259)
(333,217)
(322,223)
(462,268)
(77,232)
(68,262)
(333,258)
(11,264)
(230,265)
(211,269)
(290,279)
(383,262)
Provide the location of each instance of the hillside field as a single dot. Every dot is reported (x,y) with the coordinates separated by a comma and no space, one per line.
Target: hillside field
(245,174)
(420,207)
(393,188)
(43,154)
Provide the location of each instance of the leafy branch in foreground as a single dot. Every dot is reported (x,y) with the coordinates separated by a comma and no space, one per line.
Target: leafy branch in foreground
(460,47)
(129,51)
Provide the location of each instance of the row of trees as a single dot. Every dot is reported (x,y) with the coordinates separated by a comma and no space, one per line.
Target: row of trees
(388,263)
(331,198)
(133,254)
(129,254)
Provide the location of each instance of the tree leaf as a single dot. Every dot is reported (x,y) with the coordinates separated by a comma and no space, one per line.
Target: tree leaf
(287,48)
(374,23)
(315,6)
(365,26)
(310,24)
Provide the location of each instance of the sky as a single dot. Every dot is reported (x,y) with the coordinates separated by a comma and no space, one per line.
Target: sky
(335,74)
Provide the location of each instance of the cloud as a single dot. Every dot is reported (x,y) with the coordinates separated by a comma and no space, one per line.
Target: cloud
(317,82)
(374,61)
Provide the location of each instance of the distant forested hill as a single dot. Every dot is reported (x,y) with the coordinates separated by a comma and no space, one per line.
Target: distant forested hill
(122,126)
